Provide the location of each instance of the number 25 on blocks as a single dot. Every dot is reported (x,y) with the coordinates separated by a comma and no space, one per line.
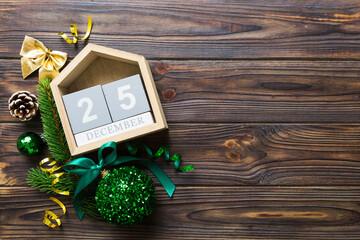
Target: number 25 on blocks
(105,110)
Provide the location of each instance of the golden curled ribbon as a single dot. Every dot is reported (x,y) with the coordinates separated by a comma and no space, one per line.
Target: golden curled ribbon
(56,175)
(51,163)
(74,33)
(49,215)
(35,55)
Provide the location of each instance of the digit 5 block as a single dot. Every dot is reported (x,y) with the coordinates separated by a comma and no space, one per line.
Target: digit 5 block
(86,109)
(126,98)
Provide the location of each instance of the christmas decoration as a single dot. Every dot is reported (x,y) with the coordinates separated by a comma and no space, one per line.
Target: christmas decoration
(164,150)
(44,178)
(23,105)
(115,63)
(35,55)
(74,32)
(43,181)
(50,215)
(86,173)
(29,143)
(53,130)
(88,170)
(126,196)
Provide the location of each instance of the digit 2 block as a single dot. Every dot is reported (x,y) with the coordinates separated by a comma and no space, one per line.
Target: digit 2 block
(126,98)
(86,109)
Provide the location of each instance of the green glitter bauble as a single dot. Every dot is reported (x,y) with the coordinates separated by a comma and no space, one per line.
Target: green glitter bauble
(29,143)
(126,196)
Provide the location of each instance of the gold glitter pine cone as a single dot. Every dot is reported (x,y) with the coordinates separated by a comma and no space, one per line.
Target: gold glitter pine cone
(23,105)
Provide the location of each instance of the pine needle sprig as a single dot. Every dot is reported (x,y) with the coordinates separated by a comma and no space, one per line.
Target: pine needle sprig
(53,131)
(42,180)
(67,182)
(87,202)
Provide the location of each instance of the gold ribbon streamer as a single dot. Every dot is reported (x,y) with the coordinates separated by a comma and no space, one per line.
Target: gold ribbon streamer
(52,163)
(35,55)
(49,215)
(56,175)
(74,33)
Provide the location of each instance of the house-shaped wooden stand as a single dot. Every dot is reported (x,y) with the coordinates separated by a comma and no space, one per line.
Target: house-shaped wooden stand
(96,65)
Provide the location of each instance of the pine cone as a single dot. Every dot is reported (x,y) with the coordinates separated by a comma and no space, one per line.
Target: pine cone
(23,105)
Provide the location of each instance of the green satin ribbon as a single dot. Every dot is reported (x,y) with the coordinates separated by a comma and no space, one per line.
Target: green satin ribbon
(89,170)
(176,158)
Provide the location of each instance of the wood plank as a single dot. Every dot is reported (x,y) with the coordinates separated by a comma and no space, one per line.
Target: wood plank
(230,154)
(237,91)
(230,213)
(188,29)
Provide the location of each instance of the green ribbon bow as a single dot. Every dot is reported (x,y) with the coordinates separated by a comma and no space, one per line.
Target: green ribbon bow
(89,170)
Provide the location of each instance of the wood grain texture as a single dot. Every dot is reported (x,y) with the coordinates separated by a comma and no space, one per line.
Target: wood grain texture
(187,29)
(231,154)
(263,97)
(238,91)
(230,213)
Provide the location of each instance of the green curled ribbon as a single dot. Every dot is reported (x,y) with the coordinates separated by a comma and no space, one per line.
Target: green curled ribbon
(89,170)
(176,158)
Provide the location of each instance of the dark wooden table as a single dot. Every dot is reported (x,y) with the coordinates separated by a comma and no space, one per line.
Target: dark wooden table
(263,97)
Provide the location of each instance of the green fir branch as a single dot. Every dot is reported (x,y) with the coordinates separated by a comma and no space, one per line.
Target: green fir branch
(67,182)
(42,180)
(54,133)
(89,207)
(87,202)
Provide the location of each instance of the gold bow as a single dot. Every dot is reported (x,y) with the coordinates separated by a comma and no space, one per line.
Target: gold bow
(35,55)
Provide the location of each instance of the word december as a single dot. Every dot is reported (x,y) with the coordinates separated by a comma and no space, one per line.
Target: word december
(114,128)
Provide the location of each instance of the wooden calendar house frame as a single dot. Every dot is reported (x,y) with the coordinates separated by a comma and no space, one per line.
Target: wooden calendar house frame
(96,65)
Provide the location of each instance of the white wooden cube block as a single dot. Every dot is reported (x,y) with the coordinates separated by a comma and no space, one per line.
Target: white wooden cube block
(86,109)
(126,98)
